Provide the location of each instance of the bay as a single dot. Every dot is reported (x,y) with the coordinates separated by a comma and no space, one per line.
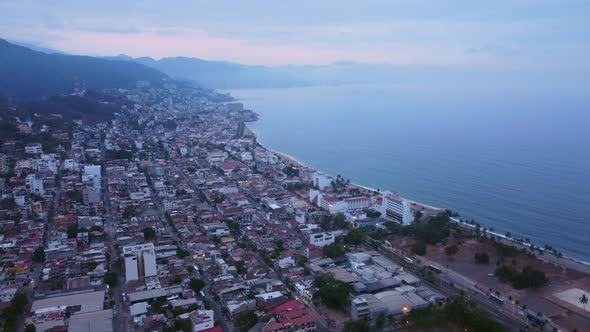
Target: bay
(515,161)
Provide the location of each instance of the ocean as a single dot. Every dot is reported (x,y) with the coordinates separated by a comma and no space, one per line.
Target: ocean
(515,161)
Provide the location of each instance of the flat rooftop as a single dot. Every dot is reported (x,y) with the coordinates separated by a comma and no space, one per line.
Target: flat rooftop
(89,301)
(98,321)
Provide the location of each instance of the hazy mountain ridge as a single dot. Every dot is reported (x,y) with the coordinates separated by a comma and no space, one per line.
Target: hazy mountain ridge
(25,73)
(221,74)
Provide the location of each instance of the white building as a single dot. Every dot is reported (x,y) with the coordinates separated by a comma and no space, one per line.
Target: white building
(246,156)
(202,320)
(216,157)
(332,204)
(94,172)
(321,239)
(140,261)
(71,165)
(396,208)
(35,184)
(33,148)
(321,180)
(170,204)
(266,158)
(47,166)
(357,203)
(286,260)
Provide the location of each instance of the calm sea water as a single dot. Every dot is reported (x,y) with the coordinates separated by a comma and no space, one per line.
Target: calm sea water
(517,162)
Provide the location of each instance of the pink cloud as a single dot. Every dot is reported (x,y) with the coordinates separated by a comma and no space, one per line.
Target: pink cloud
(199,43)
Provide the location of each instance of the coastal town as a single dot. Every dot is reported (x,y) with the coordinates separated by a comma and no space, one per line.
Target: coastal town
(168,215)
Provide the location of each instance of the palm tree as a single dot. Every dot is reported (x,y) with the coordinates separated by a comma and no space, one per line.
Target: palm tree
(584,300)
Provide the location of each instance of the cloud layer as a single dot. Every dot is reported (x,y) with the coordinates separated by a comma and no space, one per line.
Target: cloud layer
(507,34)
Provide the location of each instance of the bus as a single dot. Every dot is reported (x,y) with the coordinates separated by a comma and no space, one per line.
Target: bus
(409,260)
(536,319)
(435,268)
(497,299)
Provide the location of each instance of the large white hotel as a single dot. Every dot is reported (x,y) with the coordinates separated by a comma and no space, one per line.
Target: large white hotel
(396,208)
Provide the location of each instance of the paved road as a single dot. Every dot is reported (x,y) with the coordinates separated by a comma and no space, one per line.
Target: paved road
(122,320)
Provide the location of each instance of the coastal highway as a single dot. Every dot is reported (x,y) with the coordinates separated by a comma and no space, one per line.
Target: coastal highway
(447,284)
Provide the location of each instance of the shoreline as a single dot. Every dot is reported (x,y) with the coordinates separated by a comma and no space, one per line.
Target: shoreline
(582,265)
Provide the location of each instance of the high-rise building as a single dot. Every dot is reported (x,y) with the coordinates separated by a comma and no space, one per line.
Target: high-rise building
(92,172)
(140,261)
(35,184)
(394,207)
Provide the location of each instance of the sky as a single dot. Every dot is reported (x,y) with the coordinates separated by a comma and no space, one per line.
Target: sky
(535,35)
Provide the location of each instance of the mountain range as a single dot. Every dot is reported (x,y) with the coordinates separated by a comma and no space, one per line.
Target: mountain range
(29,74)
(40,72)
(221,74)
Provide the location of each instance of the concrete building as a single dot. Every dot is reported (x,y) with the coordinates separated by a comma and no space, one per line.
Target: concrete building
(34,148)
(215,157)
(140,261)
(84,306)
(396,208)
(91,195)
(71,165)
(93,171)
(357,203)
(321,180)
(291,316)
(35,184)
(202,320)
(332,204)
(321,239)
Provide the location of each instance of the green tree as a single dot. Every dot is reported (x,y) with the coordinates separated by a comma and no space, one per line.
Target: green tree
(72,231)
(39,255)
(181,253)
(333,293)
(333,250)
(451,250)
(196,284)
(301,260)
(361,325)
(279,246)
(8,203)
(246,321)
(128,212)
(584,300)
(92,265)
(380,320)
(177,280)
(419,248)
(111,279)
(355,236)
(326,222)
(482,258)
(339,221)
(149,234)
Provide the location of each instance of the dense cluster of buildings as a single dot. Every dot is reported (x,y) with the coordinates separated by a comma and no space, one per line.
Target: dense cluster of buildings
(125,224)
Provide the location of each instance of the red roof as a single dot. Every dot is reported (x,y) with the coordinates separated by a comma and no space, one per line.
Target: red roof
(229,165)
(292,313)
(213,329)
